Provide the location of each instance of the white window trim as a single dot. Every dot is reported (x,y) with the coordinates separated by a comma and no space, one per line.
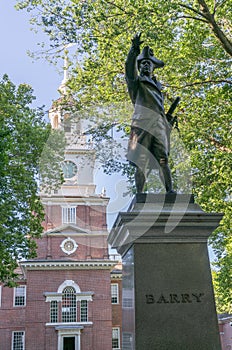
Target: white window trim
(115,284)
(68,324)
(118,329)
(87,309)
(57,296)
(68,283)
(66,217)
(25,294)
(70,332)
(12,339)
(57,311)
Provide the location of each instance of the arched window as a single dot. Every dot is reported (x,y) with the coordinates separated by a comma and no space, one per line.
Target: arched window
(69,305)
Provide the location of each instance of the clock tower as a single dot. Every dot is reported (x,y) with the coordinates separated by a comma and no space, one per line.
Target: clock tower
(70,278)
(78,166)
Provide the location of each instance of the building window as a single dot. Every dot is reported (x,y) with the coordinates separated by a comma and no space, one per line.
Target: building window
(84,311)
(127,303)
(115,338)
(69,305)
(69,215)
(18,341)
(127,341)
(54,311)
(20,296)
(114,293)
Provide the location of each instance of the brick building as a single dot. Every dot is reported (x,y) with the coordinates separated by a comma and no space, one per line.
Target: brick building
(64,299)
(225,327)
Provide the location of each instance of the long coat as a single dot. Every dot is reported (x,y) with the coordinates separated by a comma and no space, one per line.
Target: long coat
(150,130)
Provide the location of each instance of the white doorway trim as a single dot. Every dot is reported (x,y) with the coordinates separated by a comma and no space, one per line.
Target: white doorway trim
(69,331)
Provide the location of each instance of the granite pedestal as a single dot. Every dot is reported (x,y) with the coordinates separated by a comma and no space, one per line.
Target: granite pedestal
(168,301)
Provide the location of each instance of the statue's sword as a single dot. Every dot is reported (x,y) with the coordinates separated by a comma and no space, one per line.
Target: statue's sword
(173,120)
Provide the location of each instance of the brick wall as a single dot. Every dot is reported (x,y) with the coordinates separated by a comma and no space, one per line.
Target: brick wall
(12,318)
(117,309)
(96,336)
(89,247)
(91,217)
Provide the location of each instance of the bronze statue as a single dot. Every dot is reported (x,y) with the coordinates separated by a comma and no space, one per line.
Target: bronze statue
(149,142)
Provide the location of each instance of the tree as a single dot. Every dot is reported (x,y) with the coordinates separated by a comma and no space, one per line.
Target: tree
(24,133)
(194,39)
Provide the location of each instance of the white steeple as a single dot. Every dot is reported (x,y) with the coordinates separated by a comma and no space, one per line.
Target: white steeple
(54,113)
(63,87)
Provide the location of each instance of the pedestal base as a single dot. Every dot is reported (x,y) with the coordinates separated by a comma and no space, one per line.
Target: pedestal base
(168,301)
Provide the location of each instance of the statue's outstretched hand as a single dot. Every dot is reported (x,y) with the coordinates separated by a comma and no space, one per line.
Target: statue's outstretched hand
(136,42)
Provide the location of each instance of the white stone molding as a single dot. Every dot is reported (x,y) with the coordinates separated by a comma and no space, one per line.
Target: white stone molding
(69,246)
(67,331)
(68,265)
(69,283)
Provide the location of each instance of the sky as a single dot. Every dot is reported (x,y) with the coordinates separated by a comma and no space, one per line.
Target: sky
(17,39)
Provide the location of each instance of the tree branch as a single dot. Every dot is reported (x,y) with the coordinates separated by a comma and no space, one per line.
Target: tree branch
(219,34)
(221,81)
(118,7)
(195,18)
(218,4)
(209,18)
(191,9)
(219,146)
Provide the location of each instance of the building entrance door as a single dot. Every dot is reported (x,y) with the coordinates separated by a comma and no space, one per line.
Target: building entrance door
(69,343)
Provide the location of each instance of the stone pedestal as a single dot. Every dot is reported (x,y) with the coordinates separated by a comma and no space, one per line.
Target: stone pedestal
(168,301)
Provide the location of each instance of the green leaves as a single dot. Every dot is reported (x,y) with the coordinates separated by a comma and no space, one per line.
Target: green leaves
(193,39)
(23,136)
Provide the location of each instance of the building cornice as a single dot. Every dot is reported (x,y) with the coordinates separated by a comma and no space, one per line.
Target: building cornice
(57,199)
(116,276)
(74,230)
(68,265)
(74,234)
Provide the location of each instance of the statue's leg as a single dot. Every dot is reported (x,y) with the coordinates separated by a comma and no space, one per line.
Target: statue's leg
(161,175)
(139,180)
(165,175)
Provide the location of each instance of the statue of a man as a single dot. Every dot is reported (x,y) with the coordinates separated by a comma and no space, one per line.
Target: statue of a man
(149,142)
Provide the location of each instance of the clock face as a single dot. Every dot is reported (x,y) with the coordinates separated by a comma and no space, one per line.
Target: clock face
(69,169)
(69,246)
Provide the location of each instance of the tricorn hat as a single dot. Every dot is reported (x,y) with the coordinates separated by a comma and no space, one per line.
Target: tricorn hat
(147,54)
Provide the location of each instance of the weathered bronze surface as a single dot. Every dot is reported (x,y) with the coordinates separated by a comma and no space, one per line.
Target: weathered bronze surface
(149,142)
